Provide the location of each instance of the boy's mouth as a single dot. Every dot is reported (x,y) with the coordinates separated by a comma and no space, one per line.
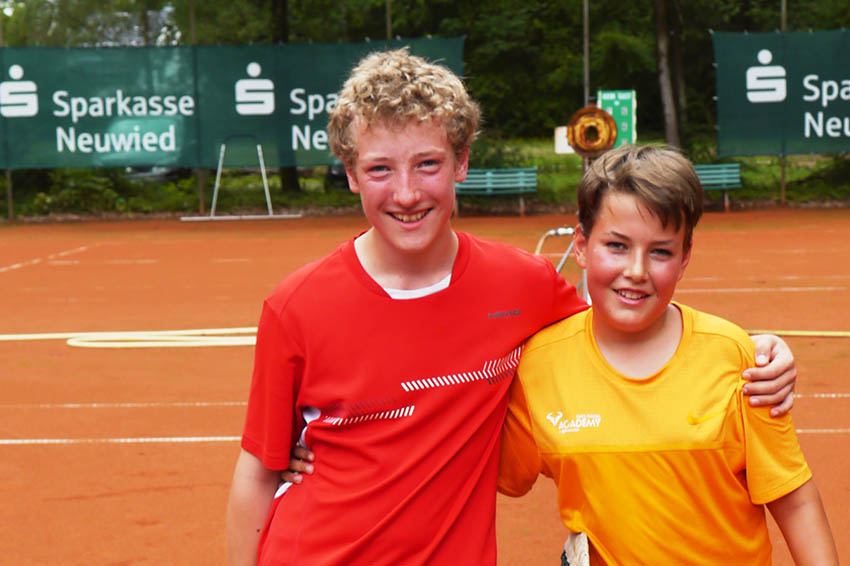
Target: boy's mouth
(631,295)
(409,217)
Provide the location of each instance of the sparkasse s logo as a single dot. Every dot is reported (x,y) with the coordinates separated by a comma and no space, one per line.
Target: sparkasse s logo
(766,82)
(18,98)
(254,96)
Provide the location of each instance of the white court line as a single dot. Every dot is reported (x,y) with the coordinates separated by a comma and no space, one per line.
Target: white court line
(139,440)
(762,289)
(823,395)
(147,339)
(208,404)
(210,439)
(778,277)
(213,404)
(37,260)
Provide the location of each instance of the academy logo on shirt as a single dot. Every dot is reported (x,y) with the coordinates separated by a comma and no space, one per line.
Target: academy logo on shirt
(575,424)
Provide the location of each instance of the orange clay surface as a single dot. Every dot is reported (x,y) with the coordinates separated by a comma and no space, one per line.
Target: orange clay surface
(123,456)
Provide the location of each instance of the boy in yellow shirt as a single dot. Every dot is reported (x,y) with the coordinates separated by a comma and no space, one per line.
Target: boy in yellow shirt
(635,407)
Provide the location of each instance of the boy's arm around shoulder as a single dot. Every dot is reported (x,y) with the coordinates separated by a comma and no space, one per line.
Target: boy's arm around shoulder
(802,519)
(251,495)
(519,459)
(773,376)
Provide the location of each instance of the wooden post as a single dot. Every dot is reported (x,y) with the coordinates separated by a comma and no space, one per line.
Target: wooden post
(10,202)
(783,159)
(200,172)
(586,28)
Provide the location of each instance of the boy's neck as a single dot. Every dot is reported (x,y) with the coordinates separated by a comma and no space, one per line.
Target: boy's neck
(392,269)
(640,354)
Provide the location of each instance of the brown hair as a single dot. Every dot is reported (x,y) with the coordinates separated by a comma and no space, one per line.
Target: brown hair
(661,178)
(394,87)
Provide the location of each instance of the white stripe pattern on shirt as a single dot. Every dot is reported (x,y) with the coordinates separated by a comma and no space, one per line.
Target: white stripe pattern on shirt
(493,371)
(394,414)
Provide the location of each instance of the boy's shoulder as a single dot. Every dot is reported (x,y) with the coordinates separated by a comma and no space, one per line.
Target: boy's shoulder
(710,325)
(502,254)
(569,328)
(309,280)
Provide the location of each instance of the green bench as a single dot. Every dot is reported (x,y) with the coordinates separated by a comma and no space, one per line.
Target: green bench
(498,182)
(720,176)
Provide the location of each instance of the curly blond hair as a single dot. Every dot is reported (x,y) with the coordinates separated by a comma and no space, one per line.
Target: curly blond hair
(395,87)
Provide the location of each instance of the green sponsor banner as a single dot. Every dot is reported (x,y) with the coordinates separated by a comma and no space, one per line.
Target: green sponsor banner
(176,106)
(622,106)
(783,93)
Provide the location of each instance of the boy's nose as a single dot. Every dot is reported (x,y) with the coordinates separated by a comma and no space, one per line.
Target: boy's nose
(405,193)
(636,267)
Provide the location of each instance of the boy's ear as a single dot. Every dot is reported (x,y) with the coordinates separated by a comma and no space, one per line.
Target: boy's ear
(462,165)
(352,181)
(686,258)
(580,246)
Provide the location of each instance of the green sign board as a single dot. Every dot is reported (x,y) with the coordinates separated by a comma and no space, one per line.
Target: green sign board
(783,93)
(622,106)
(175,106)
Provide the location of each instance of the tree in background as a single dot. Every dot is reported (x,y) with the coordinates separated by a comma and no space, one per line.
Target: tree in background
(89,23)
(665,80)
(523,60)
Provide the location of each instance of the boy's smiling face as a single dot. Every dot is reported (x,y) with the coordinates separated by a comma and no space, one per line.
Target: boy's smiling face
(405,177)
(633,264)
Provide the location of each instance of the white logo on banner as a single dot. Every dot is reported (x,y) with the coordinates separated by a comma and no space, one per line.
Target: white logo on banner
(254,97)
(18,98)
(766,83)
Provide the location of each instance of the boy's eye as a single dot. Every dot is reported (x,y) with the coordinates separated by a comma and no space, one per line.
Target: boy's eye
(429,163)
(615,246)
(378,169)
(662,252)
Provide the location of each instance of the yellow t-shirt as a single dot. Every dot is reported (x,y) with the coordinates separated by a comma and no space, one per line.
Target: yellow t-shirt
(671,469)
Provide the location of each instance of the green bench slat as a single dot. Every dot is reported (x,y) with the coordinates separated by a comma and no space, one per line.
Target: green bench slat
(719,176)
(498,181)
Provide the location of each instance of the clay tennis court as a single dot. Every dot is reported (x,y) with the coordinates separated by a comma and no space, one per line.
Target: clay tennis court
(117,454)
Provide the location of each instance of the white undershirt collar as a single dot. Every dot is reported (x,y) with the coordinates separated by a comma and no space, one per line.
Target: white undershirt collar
(404,294)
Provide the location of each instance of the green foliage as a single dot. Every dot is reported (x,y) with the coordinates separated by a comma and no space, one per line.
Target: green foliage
(75,190)
(110,191)
(83,191)
(489,153)
(75,23)
(557,175)
(809,178)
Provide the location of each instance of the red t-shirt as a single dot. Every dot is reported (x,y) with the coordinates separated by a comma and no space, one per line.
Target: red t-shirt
(409,398)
